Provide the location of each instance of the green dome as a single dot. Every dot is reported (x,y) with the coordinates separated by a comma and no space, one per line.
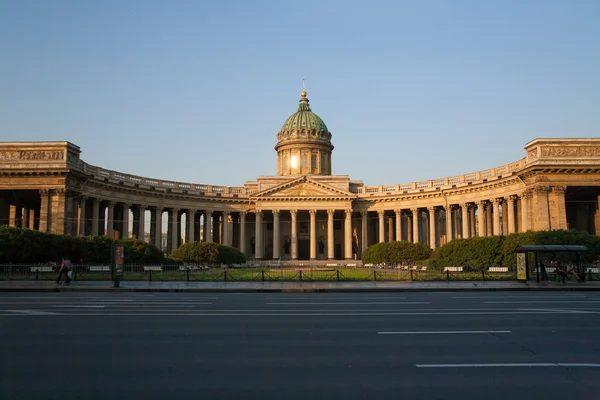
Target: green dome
(304,118)
(304,125)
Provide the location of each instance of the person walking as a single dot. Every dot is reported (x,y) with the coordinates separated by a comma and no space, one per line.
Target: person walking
(65,268)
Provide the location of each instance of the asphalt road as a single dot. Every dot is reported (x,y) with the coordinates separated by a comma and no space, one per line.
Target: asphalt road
(458,345)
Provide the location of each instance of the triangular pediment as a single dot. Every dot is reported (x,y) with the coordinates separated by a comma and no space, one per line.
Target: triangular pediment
(303,187)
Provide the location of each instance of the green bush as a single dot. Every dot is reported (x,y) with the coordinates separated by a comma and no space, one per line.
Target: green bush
(500,250)
(396,253)
(30,246)
(231,255)
(208,253)
(197,253)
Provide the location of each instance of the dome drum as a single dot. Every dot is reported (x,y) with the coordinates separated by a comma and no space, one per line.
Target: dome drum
(305,131)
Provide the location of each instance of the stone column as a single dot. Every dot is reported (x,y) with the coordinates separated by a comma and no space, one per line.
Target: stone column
(313,234)
(258,239)
(558,211)
(12,216)
(95,216)
(141,222)
(276,235)
(208,226)
(526,216)
(541,217)
(158,228)
(32,219)
(225,229)
(381,214)
(415,225)
(59,209)
(488,219)
(82,216)
(465,221)
(294,229)
(398,225)
(480,218)
(496,213)
(390,230)
(432,233)
(348,236)
(110,224)
(125,233)
(330,246)
(472,230)
(449,223)
(45,208)
(510,211)
(365,238)
(25,218)
(504,217)
(190,220)
(172,232)
(243,249)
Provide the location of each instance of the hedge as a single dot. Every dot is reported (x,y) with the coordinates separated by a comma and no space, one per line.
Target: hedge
(29,246)
(500,250)
(208,253)
(394,253)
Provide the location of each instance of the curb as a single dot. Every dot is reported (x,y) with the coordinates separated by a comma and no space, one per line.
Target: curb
(296,290)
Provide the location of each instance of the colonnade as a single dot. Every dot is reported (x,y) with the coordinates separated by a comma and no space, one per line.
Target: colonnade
(303,232)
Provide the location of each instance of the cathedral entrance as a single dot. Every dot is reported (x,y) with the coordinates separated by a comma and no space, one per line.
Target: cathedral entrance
(303,249)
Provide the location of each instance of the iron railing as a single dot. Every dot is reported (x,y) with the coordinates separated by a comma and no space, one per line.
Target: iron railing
(297,272)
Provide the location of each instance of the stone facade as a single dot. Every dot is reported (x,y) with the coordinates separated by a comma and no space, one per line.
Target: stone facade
(45,186)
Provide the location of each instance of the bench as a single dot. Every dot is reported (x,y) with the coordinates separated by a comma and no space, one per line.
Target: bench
(423,269)
(331,265)
(350,265)
(497,269)
(99,268)
(453,269)
(153,268)
(41,269)
(592,270)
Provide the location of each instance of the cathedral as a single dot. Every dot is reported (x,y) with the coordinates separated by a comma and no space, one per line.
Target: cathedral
(303,212)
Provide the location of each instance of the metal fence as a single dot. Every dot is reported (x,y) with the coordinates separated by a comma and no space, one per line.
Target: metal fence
(164,272)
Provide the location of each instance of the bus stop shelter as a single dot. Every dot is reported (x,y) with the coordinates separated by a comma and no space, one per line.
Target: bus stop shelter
(524,250)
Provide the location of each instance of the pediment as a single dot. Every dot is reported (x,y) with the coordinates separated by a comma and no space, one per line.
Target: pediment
(303,187)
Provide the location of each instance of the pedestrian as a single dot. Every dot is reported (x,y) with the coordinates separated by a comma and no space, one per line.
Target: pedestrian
(65,269)
(572,271)
(544,272)
(560,273)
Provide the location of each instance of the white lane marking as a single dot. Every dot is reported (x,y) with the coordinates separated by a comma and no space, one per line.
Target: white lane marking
(559,310)
(76,306)
(491,365)
(543,302)
(30,312)
(349,303)
(333,297)
(205,313)
(107,303)
(440,332)
(518,297)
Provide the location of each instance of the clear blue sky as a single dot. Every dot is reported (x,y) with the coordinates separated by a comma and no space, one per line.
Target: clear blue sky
(196,91)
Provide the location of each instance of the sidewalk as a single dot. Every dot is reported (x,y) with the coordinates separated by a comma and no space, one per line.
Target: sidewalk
(290,287)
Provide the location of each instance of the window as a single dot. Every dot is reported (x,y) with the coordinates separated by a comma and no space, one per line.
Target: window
(313,162)
(304,162)
(285,163)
